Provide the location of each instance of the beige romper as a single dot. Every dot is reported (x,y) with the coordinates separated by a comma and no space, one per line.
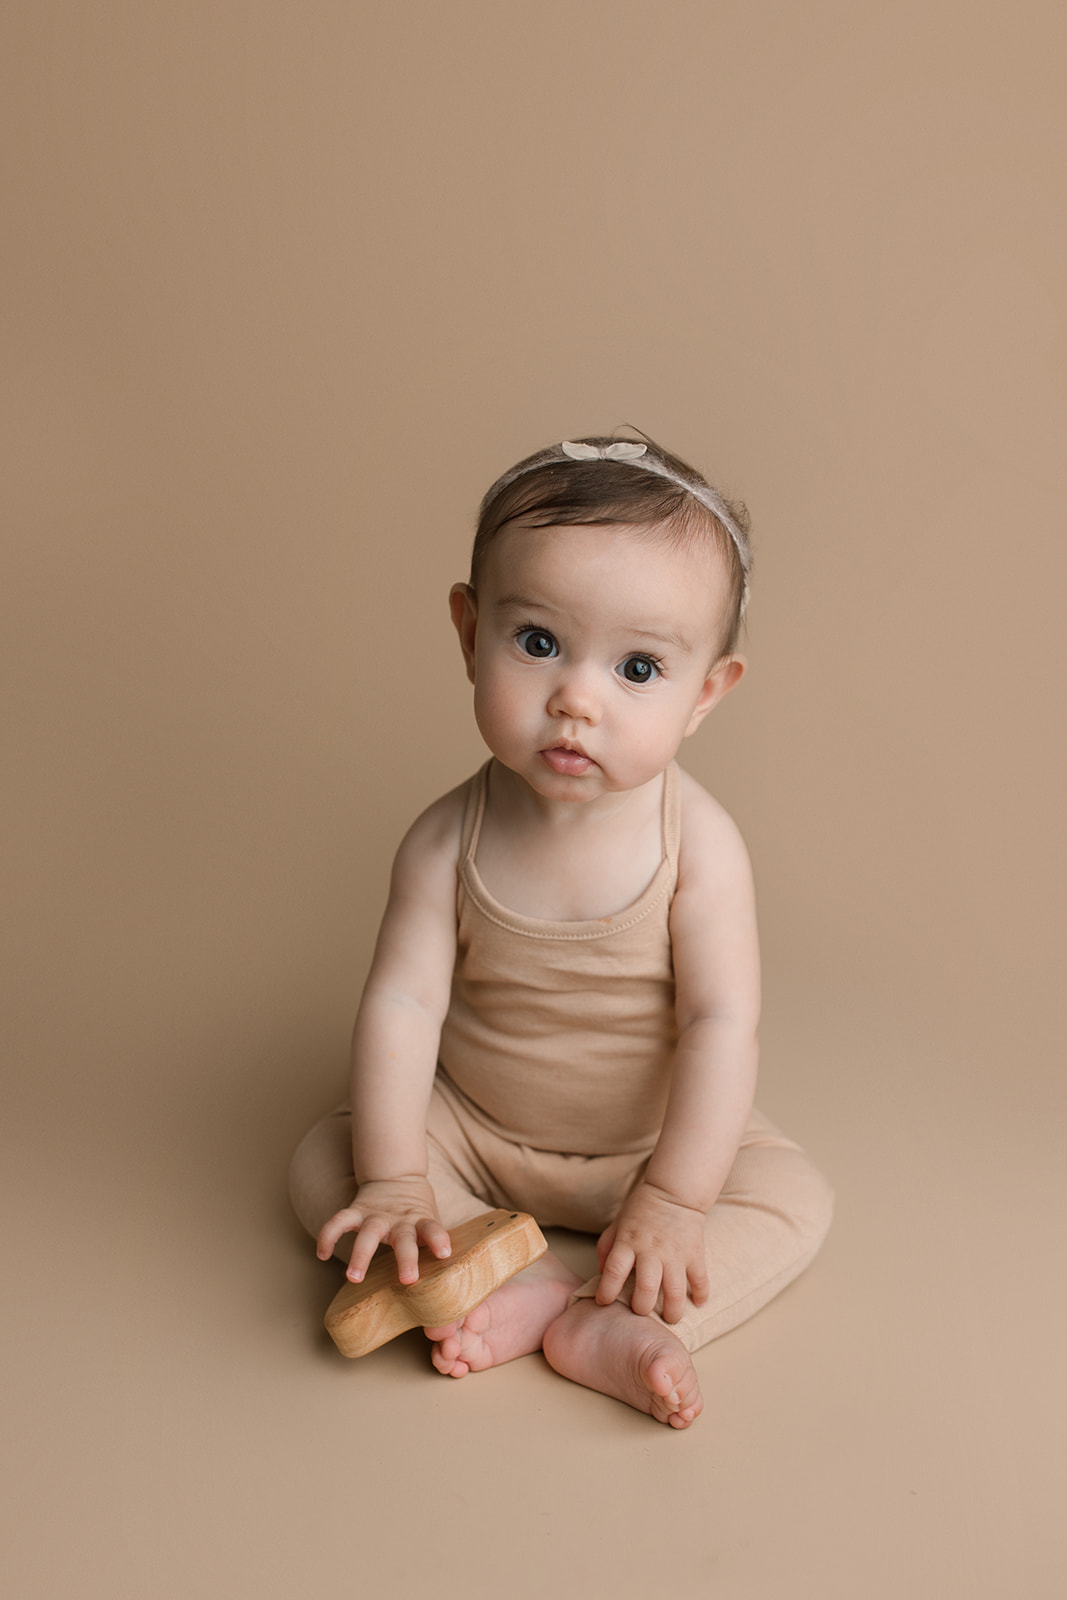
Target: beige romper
(552,1084)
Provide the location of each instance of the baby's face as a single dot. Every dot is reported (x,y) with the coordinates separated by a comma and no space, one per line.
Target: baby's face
(592,651)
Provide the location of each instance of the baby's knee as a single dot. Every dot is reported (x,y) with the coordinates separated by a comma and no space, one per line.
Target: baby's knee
(320,1174)
(811,1206)
(303,1186)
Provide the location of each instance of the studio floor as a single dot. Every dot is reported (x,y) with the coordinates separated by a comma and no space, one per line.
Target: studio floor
(891,1425)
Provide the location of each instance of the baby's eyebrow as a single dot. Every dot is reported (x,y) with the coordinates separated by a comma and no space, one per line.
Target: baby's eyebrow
(518,602)
(674,639)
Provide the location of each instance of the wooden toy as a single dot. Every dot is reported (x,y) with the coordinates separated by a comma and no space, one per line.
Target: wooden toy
(486,1251)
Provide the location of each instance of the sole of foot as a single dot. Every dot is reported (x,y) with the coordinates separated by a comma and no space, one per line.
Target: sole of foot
(631,1358)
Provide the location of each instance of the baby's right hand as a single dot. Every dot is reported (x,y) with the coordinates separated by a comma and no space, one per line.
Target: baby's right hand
(400,1212)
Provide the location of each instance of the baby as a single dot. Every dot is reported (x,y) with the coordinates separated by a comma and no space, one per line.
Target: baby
(562,1008)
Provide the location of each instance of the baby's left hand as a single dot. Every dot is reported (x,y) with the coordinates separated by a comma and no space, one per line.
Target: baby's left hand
(662,1243)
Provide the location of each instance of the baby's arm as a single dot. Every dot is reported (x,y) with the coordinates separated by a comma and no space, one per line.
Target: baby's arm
(394,1053)
(659,1233)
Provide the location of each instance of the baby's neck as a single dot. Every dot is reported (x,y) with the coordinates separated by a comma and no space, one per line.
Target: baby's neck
(568,862)
(516,804)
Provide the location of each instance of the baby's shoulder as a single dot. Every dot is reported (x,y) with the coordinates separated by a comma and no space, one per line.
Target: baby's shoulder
(710,840)
(434,837)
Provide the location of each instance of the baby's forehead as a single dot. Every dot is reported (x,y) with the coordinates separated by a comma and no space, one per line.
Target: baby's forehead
(678,556)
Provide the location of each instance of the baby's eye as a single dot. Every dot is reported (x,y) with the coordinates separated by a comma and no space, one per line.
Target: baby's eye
(638,669)
(536,642)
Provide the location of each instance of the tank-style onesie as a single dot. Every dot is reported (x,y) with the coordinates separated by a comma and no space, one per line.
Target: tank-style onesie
(552,1084)
(560,1034)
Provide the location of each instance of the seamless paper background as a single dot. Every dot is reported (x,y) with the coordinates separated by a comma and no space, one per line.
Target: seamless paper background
(285,287)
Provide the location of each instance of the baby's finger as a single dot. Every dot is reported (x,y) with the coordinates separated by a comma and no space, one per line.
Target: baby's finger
(698,1283)
(368,1239)
(647,1277)
(436,1236)
(604,1246)
(340,1223)
(673,1294)
(614,1274)
(406,1250)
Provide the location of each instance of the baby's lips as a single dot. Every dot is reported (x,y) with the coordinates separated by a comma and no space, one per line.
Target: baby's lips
(570,763)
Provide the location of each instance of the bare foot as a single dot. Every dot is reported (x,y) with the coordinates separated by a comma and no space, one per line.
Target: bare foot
(509,1324)
(629,1357)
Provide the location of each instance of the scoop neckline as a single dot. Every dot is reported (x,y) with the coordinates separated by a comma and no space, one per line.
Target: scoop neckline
(582,928)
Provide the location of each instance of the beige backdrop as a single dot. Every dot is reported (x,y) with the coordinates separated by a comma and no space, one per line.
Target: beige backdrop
(287,284)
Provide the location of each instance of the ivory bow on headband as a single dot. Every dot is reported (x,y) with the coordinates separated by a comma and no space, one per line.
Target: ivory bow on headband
(622,450)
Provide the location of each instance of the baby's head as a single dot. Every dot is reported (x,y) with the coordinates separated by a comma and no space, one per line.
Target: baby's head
(621,481)
(607,587)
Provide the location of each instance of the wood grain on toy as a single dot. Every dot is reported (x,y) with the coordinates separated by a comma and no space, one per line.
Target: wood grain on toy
(486,1251)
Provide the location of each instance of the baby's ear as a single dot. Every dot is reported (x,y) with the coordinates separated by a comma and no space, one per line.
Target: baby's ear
(463,604)
(725,675)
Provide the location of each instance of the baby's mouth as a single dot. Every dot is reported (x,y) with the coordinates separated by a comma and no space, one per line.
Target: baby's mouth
(571,763)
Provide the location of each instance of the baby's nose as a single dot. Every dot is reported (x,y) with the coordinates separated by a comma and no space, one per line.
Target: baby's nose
(575,696)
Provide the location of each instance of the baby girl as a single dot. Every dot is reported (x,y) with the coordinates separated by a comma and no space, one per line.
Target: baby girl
(561,1014)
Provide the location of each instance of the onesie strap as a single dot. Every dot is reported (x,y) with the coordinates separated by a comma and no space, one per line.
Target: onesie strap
(672,815)
(477,790)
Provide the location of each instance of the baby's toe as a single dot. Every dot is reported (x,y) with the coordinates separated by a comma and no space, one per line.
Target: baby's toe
(448,1331)
(673,1386)
(448,1359)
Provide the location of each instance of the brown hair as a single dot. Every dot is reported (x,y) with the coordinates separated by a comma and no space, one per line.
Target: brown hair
(553,489)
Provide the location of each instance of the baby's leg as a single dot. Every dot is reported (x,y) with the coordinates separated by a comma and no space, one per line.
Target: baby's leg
(769,1221)
(321,1180)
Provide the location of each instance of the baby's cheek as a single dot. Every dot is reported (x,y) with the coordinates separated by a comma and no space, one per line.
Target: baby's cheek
(655,746)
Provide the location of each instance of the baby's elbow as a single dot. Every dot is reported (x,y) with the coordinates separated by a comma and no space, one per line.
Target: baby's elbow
(425,1006)
(737,1024)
